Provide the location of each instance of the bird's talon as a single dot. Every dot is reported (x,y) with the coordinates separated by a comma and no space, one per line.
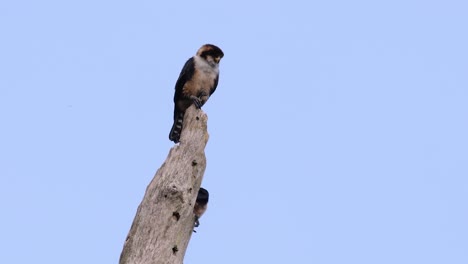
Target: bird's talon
(197,103)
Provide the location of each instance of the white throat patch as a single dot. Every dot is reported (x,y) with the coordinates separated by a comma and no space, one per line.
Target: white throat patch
(205,66)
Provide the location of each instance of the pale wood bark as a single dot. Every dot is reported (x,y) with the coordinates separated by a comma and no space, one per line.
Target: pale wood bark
(164,220)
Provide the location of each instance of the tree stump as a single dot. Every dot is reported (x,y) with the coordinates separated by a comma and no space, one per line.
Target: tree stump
(164,220)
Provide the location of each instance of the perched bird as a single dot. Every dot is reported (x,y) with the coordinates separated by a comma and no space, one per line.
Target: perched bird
(197,81)
(201,205)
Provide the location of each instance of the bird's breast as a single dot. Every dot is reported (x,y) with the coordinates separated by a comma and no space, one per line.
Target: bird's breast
(203,79)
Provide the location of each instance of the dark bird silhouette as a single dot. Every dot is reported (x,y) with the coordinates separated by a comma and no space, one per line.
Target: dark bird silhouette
(201,205)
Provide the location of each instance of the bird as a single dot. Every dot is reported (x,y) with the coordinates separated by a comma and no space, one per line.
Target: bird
(196,83)
(201,204)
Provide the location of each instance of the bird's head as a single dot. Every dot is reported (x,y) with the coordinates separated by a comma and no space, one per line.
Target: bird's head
(210,53)
(202,197)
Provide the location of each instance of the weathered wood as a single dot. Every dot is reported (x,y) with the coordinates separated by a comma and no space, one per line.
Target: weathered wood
(164,220)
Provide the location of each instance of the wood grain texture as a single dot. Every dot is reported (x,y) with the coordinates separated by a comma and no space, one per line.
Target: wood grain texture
(164,221)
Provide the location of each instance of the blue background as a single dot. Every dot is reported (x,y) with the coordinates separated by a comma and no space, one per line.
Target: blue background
(338,132)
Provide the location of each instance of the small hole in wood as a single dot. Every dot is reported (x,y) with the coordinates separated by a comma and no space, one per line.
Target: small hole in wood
(194,163)
(174,250)
(198,118)
(176,215)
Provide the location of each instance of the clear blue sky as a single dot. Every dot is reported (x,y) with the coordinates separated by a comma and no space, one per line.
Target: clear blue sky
(339,129)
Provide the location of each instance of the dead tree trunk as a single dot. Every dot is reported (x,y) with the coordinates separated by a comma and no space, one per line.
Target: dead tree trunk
(164,220)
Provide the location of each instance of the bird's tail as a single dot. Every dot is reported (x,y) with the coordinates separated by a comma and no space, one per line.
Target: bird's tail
(176,130)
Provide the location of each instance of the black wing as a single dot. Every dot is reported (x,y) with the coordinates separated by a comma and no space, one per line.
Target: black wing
(185,75)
